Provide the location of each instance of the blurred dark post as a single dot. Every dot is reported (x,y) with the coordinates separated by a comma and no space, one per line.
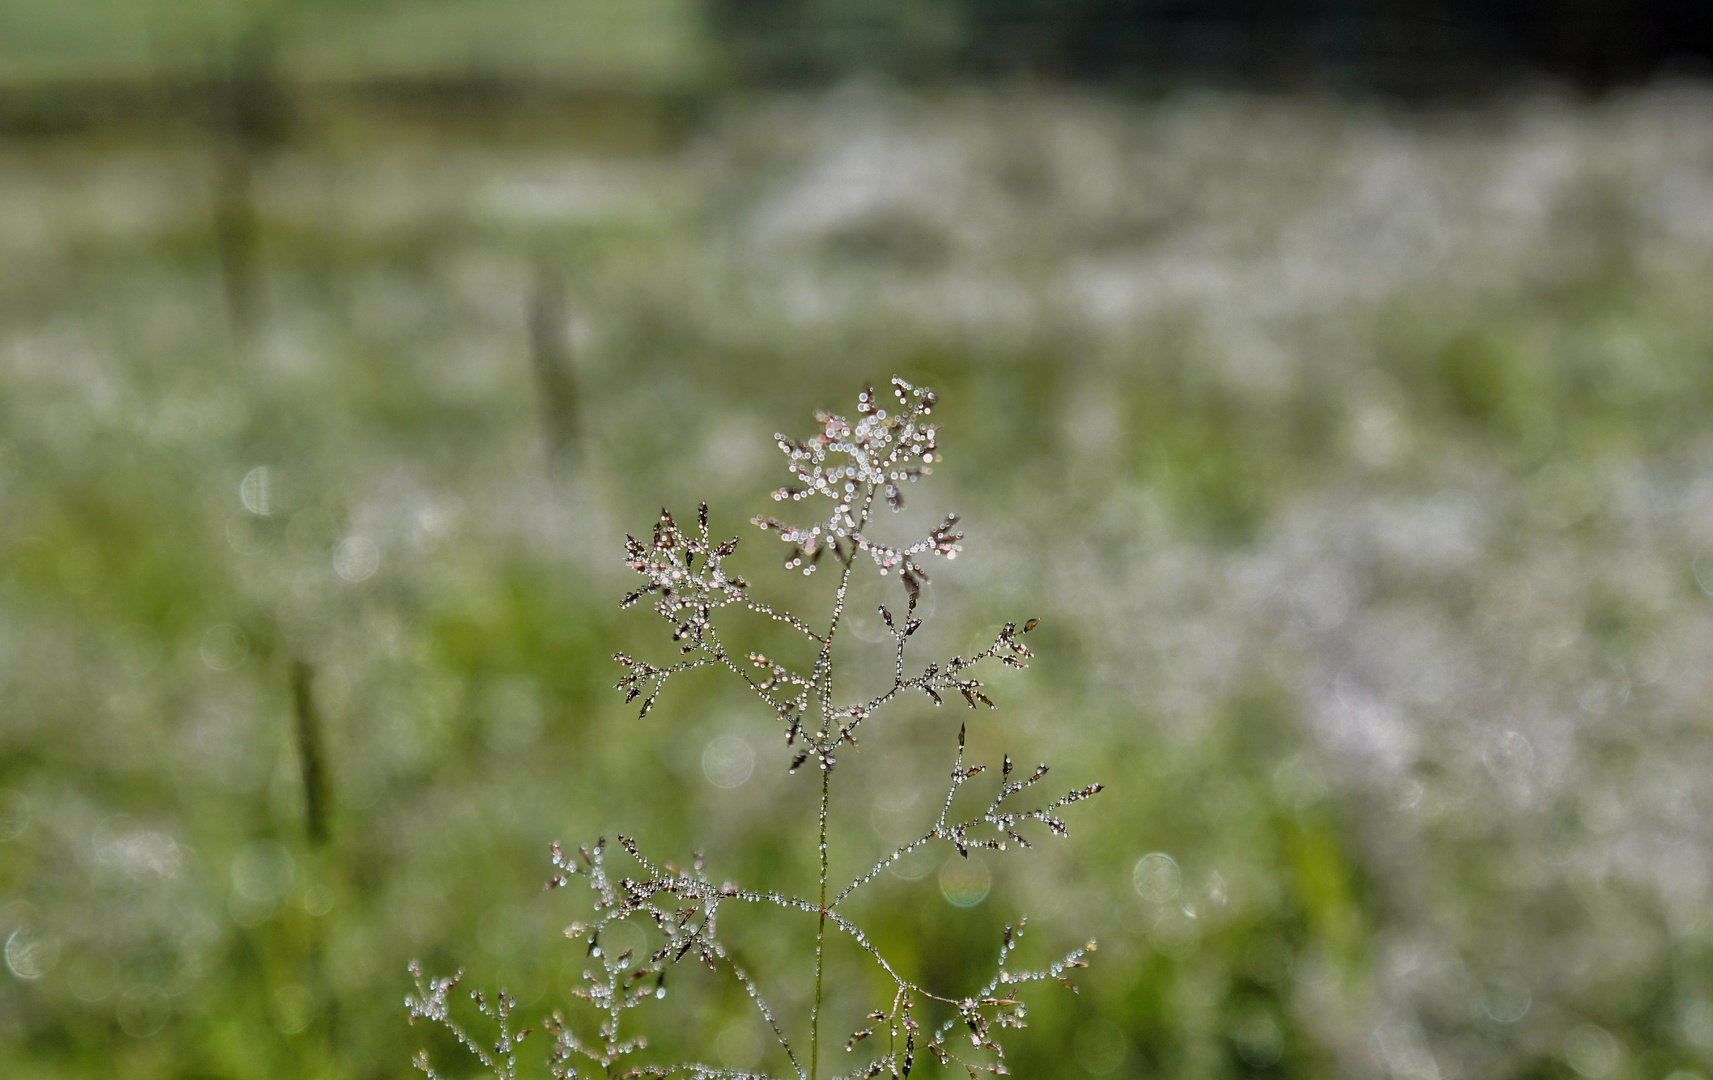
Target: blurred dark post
(555,377)
(235,233)
(249,116)
(310,751)
(312,755)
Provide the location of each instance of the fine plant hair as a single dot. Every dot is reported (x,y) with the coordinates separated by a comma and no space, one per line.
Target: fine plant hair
(857,466)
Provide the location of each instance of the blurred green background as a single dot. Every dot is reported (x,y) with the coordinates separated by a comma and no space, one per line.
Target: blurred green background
(1354,455)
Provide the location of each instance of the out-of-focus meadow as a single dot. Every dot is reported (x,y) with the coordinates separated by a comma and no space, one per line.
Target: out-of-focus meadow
(1355,458)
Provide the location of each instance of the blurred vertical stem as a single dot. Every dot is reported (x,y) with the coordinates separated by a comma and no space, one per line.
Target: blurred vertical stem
(235,232)
(311,753)
(312,756)
(249,115)
(550,355)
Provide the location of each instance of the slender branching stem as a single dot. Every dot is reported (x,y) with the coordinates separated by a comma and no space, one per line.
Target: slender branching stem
(820,933)
(766,1013)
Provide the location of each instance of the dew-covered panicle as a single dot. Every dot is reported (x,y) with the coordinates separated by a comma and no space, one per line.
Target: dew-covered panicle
(686,595)
(678,908)
(854,465)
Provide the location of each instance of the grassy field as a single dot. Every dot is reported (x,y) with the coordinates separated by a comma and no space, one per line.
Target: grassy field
(1356,462)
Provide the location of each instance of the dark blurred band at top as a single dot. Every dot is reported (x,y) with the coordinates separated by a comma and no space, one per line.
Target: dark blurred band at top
(1408,47)
(72,62)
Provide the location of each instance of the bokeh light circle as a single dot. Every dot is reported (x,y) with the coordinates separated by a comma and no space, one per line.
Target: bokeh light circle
(1157,878)
(964,882)
(14,814)
(224,646)
(30,953)
(1592,1051)
(728,761)
(1100,1047)
(356,558)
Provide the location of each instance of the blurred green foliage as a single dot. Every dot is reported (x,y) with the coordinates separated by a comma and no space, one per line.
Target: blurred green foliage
(614,45)
(1355,463)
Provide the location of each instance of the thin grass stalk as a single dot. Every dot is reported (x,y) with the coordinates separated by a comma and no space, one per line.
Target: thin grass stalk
(820,935)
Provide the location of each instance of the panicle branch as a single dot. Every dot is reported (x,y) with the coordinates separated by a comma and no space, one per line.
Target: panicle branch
(1004,822)
(431,1004)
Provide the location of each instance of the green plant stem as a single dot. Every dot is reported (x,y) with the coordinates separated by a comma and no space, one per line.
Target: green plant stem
(824,677)
(820,934)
